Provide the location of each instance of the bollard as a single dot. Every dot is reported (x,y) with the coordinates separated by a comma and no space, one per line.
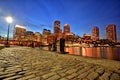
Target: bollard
(62,45)
(32,44)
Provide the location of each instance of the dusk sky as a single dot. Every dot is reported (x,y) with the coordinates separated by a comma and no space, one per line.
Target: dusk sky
(81,15)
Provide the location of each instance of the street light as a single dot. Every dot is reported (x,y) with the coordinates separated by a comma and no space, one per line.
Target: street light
(9,21)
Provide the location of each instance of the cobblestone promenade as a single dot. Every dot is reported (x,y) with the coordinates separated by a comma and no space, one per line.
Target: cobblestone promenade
(22,63)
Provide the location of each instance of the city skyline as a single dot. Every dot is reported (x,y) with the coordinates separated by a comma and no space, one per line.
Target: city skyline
(20,33)
(80,15)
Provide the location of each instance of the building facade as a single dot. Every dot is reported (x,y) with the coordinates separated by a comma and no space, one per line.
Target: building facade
(57,31)
(37,37)
(29,36)
(0,37)
(111,32)
(66,29)
(86,37)
(95,33)
(51,38)
(45,35)
(59,34)
(56,26)
(19,32)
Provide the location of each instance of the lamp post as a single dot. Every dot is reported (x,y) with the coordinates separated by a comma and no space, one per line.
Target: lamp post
(9,20)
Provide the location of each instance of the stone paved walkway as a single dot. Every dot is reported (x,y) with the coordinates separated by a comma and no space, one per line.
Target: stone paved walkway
(22,63)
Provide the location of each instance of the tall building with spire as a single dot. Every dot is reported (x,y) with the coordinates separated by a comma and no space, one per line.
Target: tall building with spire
(111,32)
(95,33)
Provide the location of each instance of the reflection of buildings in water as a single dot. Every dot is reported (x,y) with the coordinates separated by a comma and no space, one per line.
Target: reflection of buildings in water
(66,49)
(116,53)
(118,49)
(83,51)
(76,50)
(112,53)
(80,51)
(89,52)
(103,52)
(70,50)
(96,52)
(109,53)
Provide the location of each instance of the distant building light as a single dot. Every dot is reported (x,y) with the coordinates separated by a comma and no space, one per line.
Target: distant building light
(19,26)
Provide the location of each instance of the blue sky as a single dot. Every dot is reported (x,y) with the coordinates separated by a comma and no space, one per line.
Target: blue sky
(81,15)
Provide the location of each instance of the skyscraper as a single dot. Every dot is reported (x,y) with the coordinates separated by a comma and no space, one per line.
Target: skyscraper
(56,26)
(57,30)
(19,32)
(111,32)
(95,33)
(66,29)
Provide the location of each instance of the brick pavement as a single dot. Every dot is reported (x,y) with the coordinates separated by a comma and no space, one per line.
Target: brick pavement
(22,63)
